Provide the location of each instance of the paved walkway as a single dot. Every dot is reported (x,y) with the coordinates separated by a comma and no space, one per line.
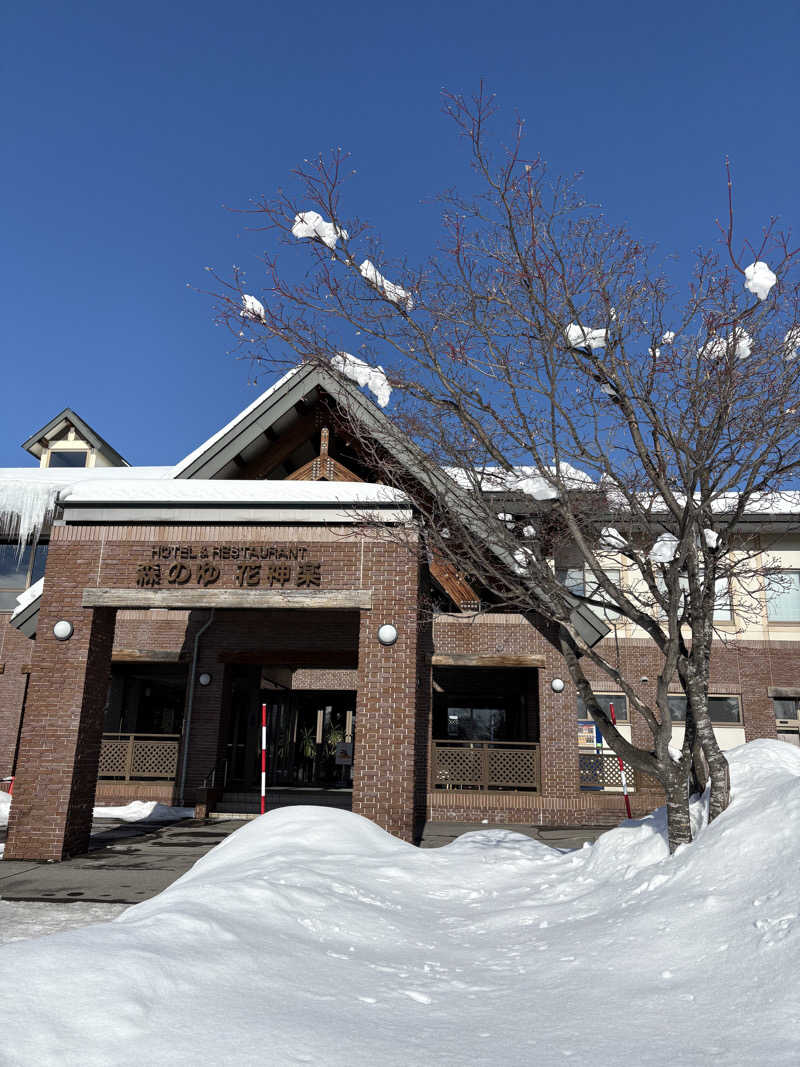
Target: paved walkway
(131,862)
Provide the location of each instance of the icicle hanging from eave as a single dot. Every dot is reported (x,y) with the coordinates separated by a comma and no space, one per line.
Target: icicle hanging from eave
(26,508)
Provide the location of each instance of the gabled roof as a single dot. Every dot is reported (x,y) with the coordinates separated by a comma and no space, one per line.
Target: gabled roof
(248,429)
(57,424)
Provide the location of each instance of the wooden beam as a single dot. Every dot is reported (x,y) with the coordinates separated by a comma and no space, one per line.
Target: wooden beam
(498,660)
(283,447)
(145,655)
(230,599)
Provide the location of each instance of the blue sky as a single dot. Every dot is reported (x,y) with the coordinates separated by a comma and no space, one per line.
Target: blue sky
(126,127)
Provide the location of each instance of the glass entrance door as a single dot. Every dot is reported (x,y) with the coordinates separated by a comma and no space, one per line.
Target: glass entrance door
(310,736)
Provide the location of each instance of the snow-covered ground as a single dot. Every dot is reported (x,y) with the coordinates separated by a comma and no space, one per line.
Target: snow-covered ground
(310,936)
(21,920)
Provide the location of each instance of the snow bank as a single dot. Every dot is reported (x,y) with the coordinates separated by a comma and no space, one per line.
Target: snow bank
(143,811)
(372,378)
(759,279)
(311,224)
(392,292)
(312,936)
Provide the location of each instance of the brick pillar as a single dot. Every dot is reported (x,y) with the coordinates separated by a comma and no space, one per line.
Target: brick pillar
(387,735)
(558,732)
(51,814)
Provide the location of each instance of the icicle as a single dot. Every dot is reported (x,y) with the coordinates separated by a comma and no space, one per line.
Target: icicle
(26,507)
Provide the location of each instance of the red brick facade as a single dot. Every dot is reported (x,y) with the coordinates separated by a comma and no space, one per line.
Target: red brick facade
(63,721)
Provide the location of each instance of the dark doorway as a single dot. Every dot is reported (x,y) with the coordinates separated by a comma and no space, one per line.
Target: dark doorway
(310,733)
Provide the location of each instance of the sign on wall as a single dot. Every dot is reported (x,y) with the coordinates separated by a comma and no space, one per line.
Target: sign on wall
(242,566)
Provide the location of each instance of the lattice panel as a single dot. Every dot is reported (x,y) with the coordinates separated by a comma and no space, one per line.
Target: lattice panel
(154,759)
(458,767)
(113,759)
(602,772)
(512,767)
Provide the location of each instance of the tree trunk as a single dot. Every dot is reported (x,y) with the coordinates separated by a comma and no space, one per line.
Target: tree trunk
(679,830)
(718,769)
(698,778)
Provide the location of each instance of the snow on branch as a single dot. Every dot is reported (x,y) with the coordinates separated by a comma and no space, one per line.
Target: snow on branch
(392,292)
(665,549)
(583,337)
(311,224)
(611,540)
(372,378)
(718,346)
(252,308)
(759,279)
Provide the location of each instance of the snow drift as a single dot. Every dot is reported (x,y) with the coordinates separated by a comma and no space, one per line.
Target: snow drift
(311,936)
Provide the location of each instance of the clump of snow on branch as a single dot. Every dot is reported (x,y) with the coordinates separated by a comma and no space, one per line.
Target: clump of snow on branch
(372,378)
(611,540)
(252,308)
(759,279)
(711,538)
(718,346)
(392,292)
(583,337)
(665,549)
(668,337)
(311,224)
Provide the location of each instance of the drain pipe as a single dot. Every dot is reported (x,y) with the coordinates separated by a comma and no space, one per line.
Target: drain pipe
(190,704)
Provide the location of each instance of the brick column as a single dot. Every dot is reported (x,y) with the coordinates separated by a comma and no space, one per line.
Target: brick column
(558,731)
(51,814)
(386,736)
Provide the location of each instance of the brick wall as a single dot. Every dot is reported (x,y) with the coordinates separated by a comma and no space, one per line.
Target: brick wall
(63,722)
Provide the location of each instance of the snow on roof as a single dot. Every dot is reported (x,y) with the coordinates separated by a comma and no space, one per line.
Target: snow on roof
(28,494)
(33,592)
(523,479)
(188,460)
(210,490)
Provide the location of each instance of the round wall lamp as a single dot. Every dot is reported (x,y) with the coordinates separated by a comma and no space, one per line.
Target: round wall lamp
(63,630)
(204,679)
(557,685)
(387,634)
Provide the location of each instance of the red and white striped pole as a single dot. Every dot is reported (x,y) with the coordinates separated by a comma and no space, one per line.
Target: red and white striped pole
(263,758)
(621,767)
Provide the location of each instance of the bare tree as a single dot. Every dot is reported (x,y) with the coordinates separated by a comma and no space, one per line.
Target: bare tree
(591,416)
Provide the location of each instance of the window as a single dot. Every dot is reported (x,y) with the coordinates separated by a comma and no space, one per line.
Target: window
(786,709)
(593,588)
(723,710)
(17,571)
(619,701)
(783,597)
(72,458)
(572,578)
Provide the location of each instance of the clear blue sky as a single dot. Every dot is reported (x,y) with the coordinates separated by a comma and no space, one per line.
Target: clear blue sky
(126,127)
